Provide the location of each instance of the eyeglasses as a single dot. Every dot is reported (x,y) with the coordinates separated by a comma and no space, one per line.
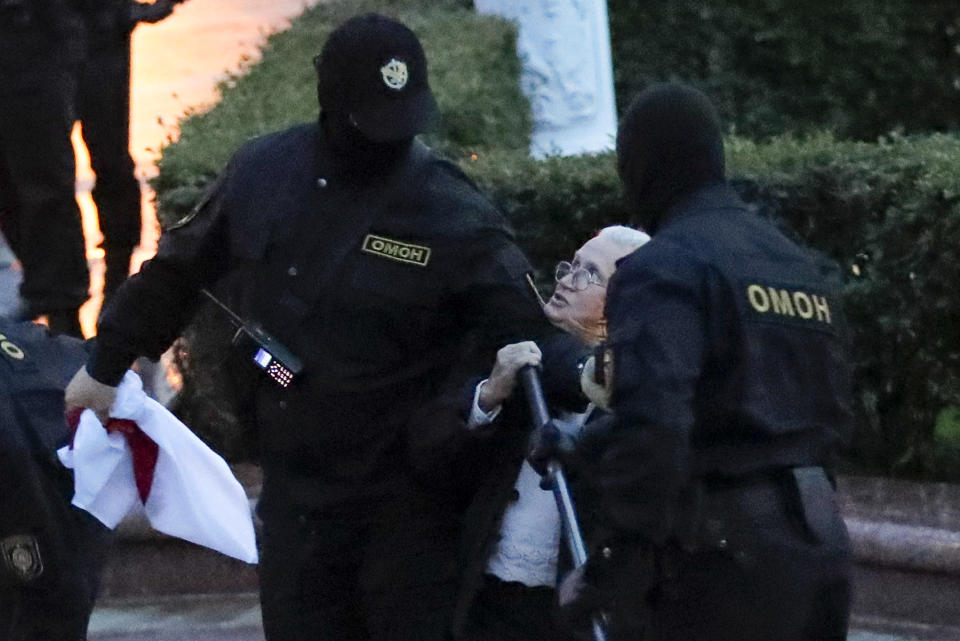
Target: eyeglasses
(580,277)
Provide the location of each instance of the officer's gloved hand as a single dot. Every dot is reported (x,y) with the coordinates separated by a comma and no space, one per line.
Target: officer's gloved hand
(85,391)
(571,588)
(613,588)
(154,12)
(549,444)
(580,602)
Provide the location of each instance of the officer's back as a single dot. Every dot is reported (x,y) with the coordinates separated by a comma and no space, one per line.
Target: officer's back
(730,390)
(776,380)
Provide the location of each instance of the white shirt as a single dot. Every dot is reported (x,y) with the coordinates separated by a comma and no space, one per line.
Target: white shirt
(530,531)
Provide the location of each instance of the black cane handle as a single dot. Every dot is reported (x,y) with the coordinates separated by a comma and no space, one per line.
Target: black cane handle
(530,379)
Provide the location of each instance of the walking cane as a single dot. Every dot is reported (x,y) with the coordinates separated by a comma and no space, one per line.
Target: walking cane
(556,480)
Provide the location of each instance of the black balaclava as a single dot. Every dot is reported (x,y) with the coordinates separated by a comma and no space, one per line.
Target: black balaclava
(668,147)
(357,156)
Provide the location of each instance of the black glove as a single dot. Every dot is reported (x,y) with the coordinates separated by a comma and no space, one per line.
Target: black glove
(582,600)
(548,444)
(578,601)
(612,587)
(155,12)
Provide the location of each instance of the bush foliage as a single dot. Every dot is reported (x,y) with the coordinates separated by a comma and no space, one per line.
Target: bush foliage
(861,68)
(888,212)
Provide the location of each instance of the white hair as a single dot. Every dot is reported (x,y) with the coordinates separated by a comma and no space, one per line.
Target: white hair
(626,237)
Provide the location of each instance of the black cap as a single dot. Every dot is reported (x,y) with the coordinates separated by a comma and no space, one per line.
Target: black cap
(373,68)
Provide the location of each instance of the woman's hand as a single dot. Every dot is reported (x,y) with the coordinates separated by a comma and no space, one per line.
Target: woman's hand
(503,377)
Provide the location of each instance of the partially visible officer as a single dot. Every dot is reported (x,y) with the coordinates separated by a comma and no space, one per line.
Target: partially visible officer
(730,388)
(51,553)
(370,259)
(41,46)
(103,108)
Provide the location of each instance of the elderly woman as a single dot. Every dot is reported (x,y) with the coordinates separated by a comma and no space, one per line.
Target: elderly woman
(511,541)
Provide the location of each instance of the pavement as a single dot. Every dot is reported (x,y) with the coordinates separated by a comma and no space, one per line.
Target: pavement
(228,618)
(233,617)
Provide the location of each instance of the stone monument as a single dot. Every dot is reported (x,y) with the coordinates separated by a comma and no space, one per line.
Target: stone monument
(567,72)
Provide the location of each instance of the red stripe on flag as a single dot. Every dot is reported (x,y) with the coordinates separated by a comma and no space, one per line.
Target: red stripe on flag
(142,448)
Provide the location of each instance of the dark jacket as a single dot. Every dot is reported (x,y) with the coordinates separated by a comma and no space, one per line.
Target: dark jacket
(728,342)
(374,280)
(108,24)
(39,40)
(50,552)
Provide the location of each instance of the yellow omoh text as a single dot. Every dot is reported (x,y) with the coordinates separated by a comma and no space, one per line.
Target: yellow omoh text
(788,302)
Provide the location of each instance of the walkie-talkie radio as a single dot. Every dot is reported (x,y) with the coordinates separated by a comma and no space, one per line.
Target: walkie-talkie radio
(265,351)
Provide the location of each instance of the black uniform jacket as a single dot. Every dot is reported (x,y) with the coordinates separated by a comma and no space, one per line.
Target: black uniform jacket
(108,23)
(375,284)
(42,538)
(729,359)
(38,39)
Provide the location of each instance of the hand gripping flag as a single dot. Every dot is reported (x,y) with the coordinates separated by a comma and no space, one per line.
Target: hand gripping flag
(147,459)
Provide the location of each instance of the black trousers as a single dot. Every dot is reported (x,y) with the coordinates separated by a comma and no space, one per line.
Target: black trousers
(760,572)
(103,109)
(510,611)
(38,209)
(366,574)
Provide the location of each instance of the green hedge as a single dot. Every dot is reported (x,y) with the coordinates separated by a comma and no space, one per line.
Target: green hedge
(859,67)
(889,211)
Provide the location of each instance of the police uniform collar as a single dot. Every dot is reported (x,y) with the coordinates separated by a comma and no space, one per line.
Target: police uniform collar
(373,163)
(408,167)
(711,198)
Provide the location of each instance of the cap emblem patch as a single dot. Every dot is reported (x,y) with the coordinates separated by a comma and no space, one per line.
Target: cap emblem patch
(395,74)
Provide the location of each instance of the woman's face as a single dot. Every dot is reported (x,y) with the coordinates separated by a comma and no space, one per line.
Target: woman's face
(580,311)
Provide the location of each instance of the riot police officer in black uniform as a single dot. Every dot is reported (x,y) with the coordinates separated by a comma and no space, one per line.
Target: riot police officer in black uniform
(41,46)
(730,387)
(50,552)
(371,260)
(103,109)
